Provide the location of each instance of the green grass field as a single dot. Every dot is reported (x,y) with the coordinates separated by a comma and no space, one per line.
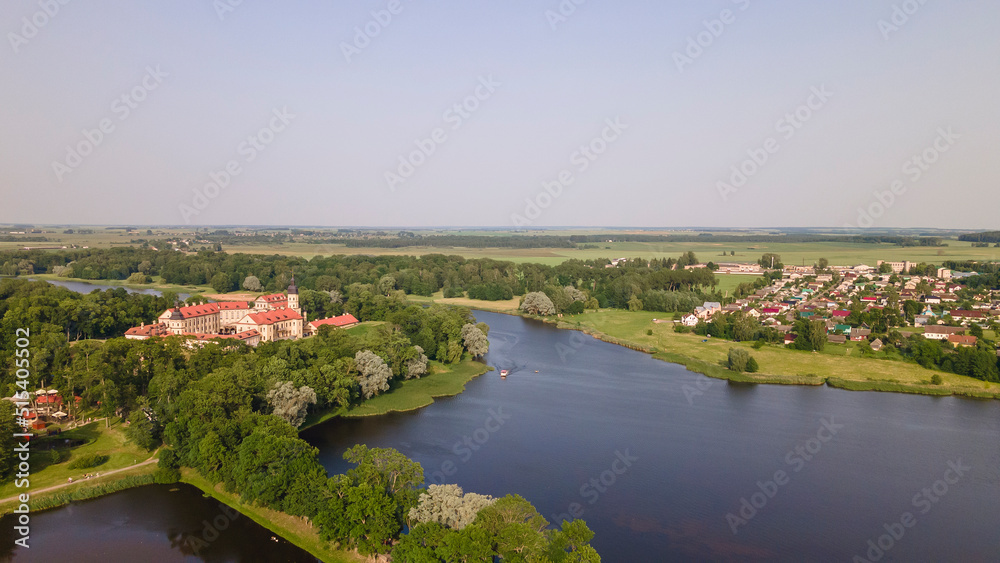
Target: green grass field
(776,362)
(729,282)
(791,253)
(412,394)
(49,468)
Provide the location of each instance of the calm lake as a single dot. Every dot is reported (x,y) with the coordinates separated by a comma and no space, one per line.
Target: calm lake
(652,456)
(86,287)
(153,523)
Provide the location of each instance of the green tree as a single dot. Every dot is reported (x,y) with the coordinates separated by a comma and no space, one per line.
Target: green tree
(475,341)
(291,404)
(221,282)
(251,283)
(373,373)
(738,359)
(771,261)
(537,303)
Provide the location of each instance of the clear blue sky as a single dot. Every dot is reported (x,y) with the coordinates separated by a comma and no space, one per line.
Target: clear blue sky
(553,86)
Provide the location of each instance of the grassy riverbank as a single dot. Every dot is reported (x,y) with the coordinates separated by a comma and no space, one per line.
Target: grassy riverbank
(838,366)
(295,529)
(50,467)
(442,381)
(83,490)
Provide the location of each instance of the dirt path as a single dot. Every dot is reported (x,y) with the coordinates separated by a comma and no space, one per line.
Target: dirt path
(78,481)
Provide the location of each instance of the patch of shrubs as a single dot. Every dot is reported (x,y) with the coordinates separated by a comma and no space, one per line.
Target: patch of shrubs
(88,461)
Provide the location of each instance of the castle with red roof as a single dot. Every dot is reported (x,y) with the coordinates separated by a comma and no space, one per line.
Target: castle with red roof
(268,318)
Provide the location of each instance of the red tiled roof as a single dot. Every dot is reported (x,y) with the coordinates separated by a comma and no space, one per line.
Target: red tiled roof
(54,399)
(245,335)
(943,330)
(274,316)
(968,314)
(341,320)
(158,329)
(962,340)
(841,314)
(192,311)
(274,297)
(232,305)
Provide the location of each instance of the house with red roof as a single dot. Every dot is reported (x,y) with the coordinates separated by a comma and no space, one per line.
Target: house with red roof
(279,324)
(346,320)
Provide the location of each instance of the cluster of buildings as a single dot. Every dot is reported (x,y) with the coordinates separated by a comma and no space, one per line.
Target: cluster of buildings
(804,292)
(268,318)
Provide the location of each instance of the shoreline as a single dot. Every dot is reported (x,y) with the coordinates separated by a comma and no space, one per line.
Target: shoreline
(418,398)
(718,372)
(280,523)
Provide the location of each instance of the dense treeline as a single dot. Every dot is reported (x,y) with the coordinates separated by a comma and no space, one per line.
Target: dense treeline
(788,238)
(464,241)
(231,412)
(57,318)
(484,277)
(988,236)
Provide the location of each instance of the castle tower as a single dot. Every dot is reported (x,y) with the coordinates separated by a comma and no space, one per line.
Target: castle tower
(293,296)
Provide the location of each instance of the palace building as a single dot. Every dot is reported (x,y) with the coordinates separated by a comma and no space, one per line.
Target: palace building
(268,318)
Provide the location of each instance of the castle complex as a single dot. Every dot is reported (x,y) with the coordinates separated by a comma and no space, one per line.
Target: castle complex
(268,318)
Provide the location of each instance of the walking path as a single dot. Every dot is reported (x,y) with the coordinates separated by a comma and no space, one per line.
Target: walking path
(78,481)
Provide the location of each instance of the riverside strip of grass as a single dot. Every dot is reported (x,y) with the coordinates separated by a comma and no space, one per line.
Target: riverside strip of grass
(89,489)
(51,467)
(412,394)
(836,366)
(295,529)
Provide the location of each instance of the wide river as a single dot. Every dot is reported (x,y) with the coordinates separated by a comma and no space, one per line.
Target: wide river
(662,463)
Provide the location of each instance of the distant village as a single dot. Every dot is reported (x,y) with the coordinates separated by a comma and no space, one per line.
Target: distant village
(830,295)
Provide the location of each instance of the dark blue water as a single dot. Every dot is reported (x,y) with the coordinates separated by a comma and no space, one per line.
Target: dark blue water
(148,524)
(689,448)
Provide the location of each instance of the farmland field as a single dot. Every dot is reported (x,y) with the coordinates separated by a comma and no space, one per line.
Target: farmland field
(792,253)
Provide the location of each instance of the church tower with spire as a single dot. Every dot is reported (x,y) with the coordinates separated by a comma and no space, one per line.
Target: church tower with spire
(293,296)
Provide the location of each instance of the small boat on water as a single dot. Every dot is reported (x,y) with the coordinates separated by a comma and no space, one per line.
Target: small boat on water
(503,373)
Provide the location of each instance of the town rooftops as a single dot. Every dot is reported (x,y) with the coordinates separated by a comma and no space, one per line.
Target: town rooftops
(962,340)
(944,330)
